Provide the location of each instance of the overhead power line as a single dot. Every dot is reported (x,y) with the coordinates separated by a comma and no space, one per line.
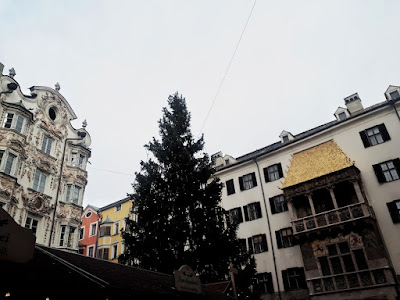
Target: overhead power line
(109,171)
(229,65)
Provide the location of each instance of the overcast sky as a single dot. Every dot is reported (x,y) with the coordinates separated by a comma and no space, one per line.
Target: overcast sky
(117,62)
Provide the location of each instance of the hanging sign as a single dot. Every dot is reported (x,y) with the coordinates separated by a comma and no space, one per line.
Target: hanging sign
(187,281)
(17,244)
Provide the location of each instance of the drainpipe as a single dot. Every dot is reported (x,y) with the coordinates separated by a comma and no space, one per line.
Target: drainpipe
(269,228)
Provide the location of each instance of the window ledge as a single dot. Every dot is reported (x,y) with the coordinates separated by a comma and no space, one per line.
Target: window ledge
(8,176)
(14,131)
(47,155)
(40,193)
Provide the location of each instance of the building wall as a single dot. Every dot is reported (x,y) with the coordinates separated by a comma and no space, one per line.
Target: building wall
(34,132)
(117,217)
(346,135)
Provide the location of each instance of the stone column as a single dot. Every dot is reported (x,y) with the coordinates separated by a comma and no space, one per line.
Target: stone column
(333,197)
(357,188)
(293,214)
(310,200)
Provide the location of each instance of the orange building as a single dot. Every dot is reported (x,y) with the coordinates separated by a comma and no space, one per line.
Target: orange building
(88,231)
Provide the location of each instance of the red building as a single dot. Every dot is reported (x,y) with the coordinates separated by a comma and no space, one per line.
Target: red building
(88,231)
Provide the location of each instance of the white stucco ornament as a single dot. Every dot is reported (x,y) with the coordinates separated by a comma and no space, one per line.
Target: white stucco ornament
(12,73)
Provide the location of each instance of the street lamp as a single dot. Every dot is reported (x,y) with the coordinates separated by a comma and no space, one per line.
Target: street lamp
(81,135)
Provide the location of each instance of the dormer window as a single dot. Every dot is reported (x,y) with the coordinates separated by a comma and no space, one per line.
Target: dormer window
(286,136)
(392,92)
(341,113)
(394,95)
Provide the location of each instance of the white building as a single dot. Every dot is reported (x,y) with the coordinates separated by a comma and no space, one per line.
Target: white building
(320,210)
(37,141)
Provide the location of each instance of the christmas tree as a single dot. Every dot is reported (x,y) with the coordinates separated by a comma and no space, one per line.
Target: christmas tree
(177,203)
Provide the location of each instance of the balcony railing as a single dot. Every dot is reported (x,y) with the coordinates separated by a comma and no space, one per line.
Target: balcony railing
(351,280)
(331,217)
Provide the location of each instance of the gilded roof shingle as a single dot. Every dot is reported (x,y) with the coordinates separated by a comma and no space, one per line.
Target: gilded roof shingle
(315,162)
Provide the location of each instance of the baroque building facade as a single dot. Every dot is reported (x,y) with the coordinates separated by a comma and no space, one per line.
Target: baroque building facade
(42,162)
(320,210)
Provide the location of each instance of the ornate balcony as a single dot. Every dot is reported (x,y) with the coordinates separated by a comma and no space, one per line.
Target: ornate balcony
(351,281)
(332,217)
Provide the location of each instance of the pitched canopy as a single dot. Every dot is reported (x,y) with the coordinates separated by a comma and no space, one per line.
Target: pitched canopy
(315,162)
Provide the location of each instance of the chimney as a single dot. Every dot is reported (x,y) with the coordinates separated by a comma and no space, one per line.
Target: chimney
(1,68)
(353,103)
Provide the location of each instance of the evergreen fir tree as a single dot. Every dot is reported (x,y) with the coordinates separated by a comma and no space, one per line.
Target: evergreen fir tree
(177,201)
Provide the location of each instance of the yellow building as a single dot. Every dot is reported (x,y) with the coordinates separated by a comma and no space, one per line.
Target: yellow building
(112,221)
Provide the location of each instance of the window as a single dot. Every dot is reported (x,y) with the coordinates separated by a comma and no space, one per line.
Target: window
(265,283)
(88,214)
(226,161)
(284,238)
(116,228)
(273,172)
(9,163)
(235,215)
(118,207)
(46,145)
(93,228)
(387,171)
(230,187)
(258,243)
(39,181)
(394,95)
(71,237)
(14,121)
(52,113)
(32,224)
(394,210)
(341,259)
(248,181)
(285,138)
(90,251)
(73,193)
(103,253)
(81,233)
(278,204)
(81,160)
(62,235)
(115,251)
(105,231)
(374,135)
(342,116)
(294,279)
(252,211)
(76,195)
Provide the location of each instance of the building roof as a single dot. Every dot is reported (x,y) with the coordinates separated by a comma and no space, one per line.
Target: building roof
(125,281)
(114,204)
(107,221)
(315,162)
(278,145)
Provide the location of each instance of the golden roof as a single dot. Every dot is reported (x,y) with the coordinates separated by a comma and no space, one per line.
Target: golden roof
(316,162)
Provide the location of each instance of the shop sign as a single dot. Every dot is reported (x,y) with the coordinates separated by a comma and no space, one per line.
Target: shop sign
(187,281)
